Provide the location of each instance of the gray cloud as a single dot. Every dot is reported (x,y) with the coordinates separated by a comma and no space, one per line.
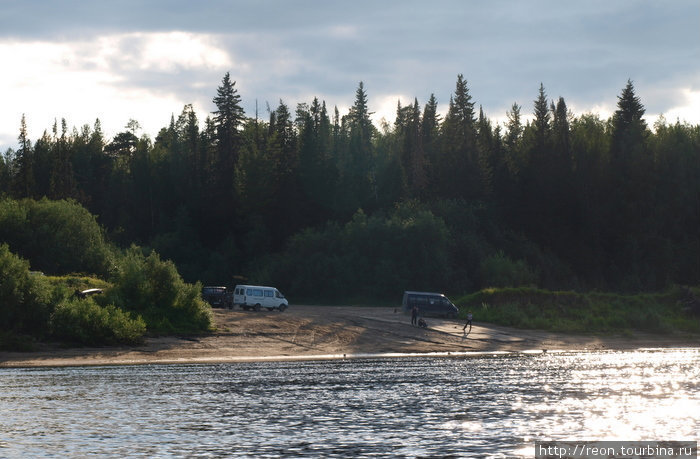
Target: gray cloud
(583,51)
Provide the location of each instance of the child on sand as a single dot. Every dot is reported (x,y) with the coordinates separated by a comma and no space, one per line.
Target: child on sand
(469,322)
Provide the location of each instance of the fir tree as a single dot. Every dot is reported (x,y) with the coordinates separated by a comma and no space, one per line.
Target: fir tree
(24,158)
(228,118)
(542,118)
(628,126)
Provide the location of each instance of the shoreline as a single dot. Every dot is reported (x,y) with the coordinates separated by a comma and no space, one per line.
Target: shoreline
(305,333)
(89,361)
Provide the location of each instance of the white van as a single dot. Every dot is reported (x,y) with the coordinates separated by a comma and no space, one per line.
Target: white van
(258,297)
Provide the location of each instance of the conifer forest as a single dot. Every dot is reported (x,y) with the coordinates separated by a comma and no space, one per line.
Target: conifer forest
(329,206)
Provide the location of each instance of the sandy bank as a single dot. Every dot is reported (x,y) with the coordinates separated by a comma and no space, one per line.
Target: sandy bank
(317,332)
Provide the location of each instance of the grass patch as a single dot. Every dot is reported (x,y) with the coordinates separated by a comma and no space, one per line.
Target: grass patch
(74,282)
(592,312)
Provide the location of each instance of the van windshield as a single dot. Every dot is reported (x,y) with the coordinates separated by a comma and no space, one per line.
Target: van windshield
(278,294)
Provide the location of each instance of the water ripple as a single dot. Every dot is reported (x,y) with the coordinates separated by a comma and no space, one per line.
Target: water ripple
(490,406)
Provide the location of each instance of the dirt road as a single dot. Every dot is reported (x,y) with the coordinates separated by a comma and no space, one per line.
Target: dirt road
(317,332)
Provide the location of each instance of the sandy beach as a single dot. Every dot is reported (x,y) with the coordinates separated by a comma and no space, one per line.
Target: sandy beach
(322,332)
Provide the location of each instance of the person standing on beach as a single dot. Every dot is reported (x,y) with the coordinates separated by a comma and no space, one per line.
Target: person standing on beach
(469,322)
(414,315)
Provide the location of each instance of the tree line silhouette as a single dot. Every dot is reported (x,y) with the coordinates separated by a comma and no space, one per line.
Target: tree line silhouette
(325,204)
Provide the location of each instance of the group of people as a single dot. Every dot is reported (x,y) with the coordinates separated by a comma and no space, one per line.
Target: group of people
(416,320)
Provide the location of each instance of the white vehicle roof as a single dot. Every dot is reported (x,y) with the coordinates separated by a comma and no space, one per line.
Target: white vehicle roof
(255,286)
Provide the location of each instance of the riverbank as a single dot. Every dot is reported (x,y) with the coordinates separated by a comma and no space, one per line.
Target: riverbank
(321,332)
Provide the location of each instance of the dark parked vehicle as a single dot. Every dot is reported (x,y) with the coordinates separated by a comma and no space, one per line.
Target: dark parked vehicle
(217,297)
(429,304)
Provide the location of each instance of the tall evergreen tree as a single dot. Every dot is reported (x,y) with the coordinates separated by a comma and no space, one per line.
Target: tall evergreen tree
(628,126)
(227,121)
(560,129)
(358,171)
(62,180)
(317,172)
(430,124)
(542,121)
(5,171)
(283,160)
(462,108)
(100,168)
(228,118)
(410,151)
(187,128)
(24,183)
(429,139)
(632,181)
(457,174)
(487,152)
(513,139)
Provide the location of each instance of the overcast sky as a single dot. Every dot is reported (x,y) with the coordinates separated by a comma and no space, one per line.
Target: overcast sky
(129,59)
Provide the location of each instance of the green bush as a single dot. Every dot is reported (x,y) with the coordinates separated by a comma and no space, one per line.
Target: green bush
(500,271)
(58,237)
(153,289)
(24,298)
(82,321)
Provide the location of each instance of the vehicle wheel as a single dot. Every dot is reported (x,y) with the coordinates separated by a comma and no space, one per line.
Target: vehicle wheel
(282,307)
(257,307)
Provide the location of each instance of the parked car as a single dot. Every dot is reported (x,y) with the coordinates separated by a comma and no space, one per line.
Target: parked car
(88,292)
(217,297)
(429,304)
(257,297)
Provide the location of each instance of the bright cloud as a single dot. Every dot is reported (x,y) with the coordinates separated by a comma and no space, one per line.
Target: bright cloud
(385,107)
(688,111)
(178,49)
(82,81)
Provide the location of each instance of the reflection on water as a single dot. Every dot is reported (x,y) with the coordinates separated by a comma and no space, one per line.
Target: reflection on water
(485,406)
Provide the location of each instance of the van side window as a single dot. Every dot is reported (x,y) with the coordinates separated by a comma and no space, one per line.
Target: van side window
(249,292)
(257,292)
(268,294)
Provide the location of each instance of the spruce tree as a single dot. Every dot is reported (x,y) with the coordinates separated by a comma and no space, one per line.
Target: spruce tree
(628,126)
(228,118)
(24,157)
(560,128)
(430,123)
(632,182)
(359,171)
(542,118)
(457,173)
(463,107)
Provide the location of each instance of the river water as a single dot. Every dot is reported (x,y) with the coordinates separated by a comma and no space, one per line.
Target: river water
(478,406)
